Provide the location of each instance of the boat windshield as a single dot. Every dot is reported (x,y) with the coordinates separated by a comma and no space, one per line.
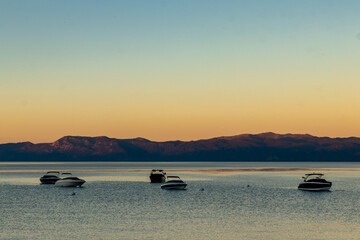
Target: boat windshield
(176,177)
(52,173)
(311,176)
(71,178)
(175,181)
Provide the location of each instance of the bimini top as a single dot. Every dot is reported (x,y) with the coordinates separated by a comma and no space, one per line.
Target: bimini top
(317,177)
(158,172)
(66,173)
(173,177)
(311,174)
(52,174)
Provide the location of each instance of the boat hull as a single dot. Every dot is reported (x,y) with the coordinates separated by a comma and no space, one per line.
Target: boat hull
(49,180)
(314,186)
(174,186)
(315,189)
(68,183)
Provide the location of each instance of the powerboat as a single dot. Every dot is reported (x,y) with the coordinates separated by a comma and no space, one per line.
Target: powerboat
(174,183)
(69,181)
(50,177)
(314,182)
(157,176)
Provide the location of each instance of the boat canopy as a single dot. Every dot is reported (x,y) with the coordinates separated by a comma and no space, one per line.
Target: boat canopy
(310,174)
(66,173)
(173,177)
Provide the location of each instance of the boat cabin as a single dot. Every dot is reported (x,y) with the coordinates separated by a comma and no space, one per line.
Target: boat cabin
(314,177)
(174,179)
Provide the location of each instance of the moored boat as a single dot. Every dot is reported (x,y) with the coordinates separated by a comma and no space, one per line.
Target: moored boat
(50,177)
(157,176)
(174,183)
(314,182)
(69,181)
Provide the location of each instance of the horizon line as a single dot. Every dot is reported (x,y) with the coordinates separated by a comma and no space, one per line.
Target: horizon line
(224,136)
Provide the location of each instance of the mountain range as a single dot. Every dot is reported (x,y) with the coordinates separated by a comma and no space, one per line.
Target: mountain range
(244,147)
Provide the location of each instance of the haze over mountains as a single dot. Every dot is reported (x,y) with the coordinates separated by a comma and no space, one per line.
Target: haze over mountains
(245,147)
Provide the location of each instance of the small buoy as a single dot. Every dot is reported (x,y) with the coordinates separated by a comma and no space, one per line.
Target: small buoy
(248,185)
(202,189)
(73,194)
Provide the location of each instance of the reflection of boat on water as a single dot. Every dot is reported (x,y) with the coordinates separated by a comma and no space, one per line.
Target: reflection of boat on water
(157,176)
(69,181)
(50,177)
(314,182)
(176,184)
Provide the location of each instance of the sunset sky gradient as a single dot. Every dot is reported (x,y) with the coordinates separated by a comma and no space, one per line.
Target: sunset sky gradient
(178,70)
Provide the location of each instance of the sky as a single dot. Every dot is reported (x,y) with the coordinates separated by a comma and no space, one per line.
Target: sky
(178,70)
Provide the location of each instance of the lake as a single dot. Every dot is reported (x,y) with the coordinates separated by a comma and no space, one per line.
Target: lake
(118,202)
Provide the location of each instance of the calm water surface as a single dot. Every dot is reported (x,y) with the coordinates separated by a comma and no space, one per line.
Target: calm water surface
(124,205)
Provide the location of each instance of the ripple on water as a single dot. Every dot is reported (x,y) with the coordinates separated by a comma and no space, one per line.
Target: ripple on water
(129,207)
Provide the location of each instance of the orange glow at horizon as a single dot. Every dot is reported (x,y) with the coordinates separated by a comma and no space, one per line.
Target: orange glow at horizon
(248,68)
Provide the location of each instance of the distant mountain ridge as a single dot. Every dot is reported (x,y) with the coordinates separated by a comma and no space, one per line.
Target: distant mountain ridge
(245,147)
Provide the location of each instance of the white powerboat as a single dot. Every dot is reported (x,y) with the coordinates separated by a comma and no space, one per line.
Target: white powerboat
(314,182)
(50,177)
(69,181)
(175,183)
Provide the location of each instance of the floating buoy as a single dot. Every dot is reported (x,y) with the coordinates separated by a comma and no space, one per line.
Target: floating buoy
(202,189)
(248,185)
(73,194)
